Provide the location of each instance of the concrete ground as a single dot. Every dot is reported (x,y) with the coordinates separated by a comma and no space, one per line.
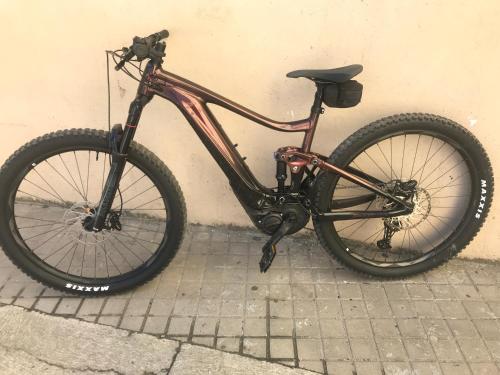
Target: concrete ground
(32,343)
(307,311)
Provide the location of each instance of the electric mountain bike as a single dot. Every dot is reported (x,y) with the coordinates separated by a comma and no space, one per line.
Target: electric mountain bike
(93,212)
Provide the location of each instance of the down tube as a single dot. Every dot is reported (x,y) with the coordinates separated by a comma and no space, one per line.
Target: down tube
(244,184)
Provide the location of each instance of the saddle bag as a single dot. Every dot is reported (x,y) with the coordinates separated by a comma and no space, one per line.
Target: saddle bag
(343,95)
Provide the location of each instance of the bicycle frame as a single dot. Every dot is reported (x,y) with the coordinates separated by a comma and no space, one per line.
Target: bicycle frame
(192,100)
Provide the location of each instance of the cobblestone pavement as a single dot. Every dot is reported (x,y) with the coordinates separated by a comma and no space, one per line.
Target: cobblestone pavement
(307,311)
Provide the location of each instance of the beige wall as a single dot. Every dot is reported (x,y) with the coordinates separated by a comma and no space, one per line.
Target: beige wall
(438,56)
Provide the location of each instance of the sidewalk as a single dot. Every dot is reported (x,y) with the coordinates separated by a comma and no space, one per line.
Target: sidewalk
(306,312)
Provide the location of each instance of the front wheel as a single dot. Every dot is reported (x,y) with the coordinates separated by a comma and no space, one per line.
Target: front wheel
(52,185)
(452,196)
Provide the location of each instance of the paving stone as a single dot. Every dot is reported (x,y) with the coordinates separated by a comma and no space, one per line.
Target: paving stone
(109,320)
(230,327)
(363,349)
(161,307)
(384,328)
(332,328)
(304,308)
(257,291)
(255,308)
(442,291)
(396,291)
(281,348)
(397,368)
(368,368)
(391,349)
(478,310)
(419,291)
(232,307)
(32,290)
(114,306)
(280,291)
(452,309)
(309,327)
(462,328)
(156,324)
(303,291)
(132,323)
(378,308)
(255,347)
(179,326)
(436,328)
(411,328)
(489,292)
(457,368)
(354,309)
(255,327)
(358,328)
(326,291)
(419,350)
(484,368)
(46,304)
(447,350)
(403,309)
(24,302)
(316,366)
(280,309)
(349,291)
(281,327)
(91,306)
(426,368)
(427,309)
(329,308)
(308,349)
(205,341)
(205,326)
(473,350)
(228,344)
(488,329)
(340,367)
(337,349)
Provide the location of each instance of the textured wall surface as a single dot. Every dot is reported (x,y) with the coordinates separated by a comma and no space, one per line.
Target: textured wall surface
(440,57)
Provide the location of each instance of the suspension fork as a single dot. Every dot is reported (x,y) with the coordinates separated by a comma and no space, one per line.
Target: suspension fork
(118,161)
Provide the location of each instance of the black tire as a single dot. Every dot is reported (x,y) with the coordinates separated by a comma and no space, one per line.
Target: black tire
(41,148)
(475,212)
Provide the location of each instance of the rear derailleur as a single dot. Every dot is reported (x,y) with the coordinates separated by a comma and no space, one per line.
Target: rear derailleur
(392,225)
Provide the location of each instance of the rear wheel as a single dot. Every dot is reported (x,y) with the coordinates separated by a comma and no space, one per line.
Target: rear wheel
(52,185)
(452,196)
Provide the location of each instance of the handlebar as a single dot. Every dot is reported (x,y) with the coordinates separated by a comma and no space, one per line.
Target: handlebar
(142,48)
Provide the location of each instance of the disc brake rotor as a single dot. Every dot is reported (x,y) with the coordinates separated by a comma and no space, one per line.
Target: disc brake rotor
(73,219)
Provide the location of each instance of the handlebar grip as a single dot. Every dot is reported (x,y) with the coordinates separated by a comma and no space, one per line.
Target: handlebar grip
(162,34)
(156,37)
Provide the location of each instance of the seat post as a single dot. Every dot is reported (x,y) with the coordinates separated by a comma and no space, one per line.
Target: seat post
(316,110)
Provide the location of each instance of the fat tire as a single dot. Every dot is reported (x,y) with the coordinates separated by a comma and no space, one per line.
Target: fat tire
(95,139)
(466,230)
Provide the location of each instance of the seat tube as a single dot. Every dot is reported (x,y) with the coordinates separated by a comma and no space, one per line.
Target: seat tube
(316,110)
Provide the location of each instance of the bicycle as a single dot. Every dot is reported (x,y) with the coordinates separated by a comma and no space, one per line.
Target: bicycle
(93,212)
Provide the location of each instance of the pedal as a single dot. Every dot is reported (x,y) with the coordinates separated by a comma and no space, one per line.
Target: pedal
(269,249)
(268,254)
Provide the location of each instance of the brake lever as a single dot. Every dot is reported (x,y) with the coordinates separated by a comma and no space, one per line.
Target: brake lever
(128,54)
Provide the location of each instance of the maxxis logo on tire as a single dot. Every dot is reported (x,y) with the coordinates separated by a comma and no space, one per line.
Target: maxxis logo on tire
(83,288)
(482,199)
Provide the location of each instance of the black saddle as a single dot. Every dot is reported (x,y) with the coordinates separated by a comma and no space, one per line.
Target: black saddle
(337,75)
